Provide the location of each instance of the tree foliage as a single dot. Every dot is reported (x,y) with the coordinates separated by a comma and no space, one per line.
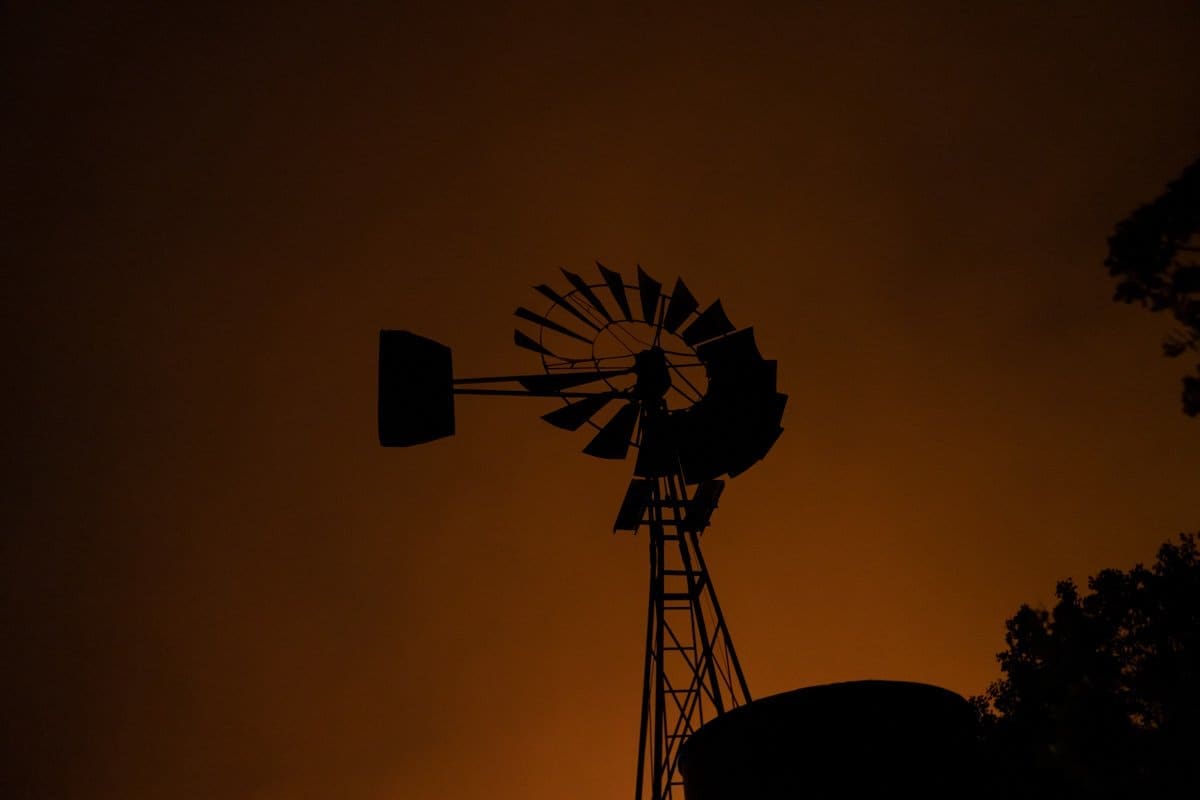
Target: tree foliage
(1101,694)
(1153,254)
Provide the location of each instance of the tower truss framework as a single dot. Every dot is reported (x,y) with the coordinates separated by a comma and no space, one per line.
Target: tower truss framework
(692,672)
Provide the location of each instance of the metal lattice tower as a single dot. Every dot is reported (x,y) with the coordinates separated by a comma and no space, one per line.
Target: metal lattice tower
(686,389)
(692,672)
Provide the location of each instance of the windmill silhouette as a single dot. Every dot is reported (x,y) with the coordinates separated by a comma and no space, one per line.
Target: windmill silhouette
(686,389)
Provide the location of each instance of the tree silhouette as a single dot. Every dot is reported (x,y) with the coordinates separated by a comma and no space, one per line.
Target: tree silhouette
(1101,695)
(1154,254)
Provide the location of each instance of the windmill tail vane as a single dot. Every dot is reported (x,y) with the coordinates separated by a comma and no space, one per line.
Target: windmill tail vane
(646,370)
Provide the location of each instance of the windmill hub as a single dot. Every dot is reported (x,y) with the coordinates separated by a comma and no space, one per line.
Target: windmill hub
(653,374)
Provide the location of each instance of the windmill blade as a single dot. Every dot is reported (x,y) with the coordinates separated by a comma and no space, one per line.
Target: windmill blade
(521,340)
(711,323)
(585,290)
(613,439)
(538,319)
(616,286)
(680,308)
(557,381)
(566,305)
(633,507)
(571,417)
(649,289)
(759,437)
(731,355)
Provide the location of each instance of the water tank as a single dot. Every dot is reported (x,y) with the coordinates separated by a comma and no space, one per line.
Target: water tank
(842,740)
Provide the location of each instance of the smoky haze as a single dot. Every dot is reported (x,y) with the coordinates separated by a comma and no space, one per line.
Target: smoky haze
(217,584)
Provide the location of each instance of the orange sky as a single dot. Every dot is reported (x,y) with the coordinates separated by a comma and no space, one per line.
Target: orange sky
(216,584)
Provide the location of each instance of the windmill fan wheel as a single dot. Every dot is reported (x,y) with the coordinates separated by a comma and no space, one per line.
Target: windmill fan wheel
(647,369)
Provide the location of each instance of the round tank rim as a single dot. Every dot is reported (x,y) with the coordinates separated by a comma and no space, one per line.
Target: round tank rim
(820,696)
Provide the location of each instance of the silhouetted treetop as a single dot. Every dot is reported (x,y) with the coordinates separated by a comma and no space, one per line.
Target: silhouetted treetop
(1154,255)
(1101,695)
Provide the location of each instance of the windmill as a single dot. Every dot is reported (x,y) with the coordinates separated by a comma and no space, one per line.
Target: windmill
(645,370)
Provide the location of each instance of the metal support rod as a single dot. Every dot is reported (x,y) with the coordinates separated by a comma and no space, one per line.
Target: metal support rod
(646,690)
(712,595)
(660,700)
(603,373)
(529,393)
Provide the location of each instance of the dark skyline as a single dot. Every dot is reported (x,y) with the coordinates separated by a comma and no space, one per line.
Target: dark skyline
(216,582)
